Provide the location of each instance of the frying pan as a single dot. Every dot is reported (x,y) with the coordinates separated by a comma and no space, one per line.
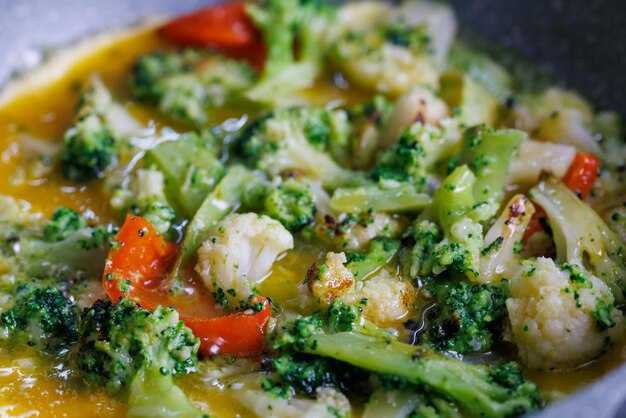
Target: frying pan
(583,41)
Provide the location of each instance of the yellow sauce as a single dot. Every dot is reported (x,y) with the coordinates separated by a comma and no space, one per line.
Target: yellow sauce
(26,387)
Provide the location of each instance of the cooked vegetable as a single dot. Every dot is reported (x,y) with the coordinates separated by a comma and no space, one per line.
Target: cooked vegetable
(390,58)
(190,169)
(581,236)
(125,347)
(223,26)
(293,140)
(90,145)
(238,253)
(489,391)
(584,326)
(420,148)
(186,85)
(67,247)
(43,318)
(291,202)
(454,239)
(465,316)
(488,153)
(284,24)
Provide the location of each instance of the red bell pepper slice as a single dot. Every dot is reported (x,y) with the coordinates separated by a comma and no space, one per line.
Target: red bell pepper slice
(224,27)
(138,261)
(138,264)
(582,174)
(239,334)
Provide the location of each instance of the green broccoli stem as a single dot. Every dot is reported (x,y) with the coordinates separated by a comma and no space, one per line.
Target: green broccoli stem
(454,200)
(222,200)
(470,385)
(488,153)
(190,168)
(154,395)
(397,198)
(81,254)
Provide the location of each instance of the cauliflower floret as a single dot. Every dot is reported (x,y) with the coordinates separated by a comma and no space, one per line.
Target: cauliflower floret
(561,319)
(330,279)
(239,254)
(558,116)
(384,298)
(354,232)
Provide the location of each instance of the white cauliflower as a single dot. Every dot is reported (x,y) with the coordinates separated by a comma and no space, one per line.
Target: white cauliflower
(239,254)
(355,233)
(558,116)
(384,298)
(560,317)
(330,279)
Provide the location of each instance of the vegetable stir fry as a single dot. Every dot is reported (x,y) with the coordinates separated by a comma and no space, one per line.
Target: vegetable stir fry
(321,211)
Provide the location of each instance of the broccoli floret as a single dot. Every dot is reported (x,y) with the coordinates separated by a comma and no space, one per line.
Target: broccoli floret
(292,203)
(284,24)
(453,239)
(187,84)
(190,167)
(151,68)
(490,391)
(90,146)
(420,148)
(63,223)
(43,318)
(125,347)
(401,172)
(305,374)
(465,316)
(280,142)
(419,262)
(67,247)
(342,317)
(582,237)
